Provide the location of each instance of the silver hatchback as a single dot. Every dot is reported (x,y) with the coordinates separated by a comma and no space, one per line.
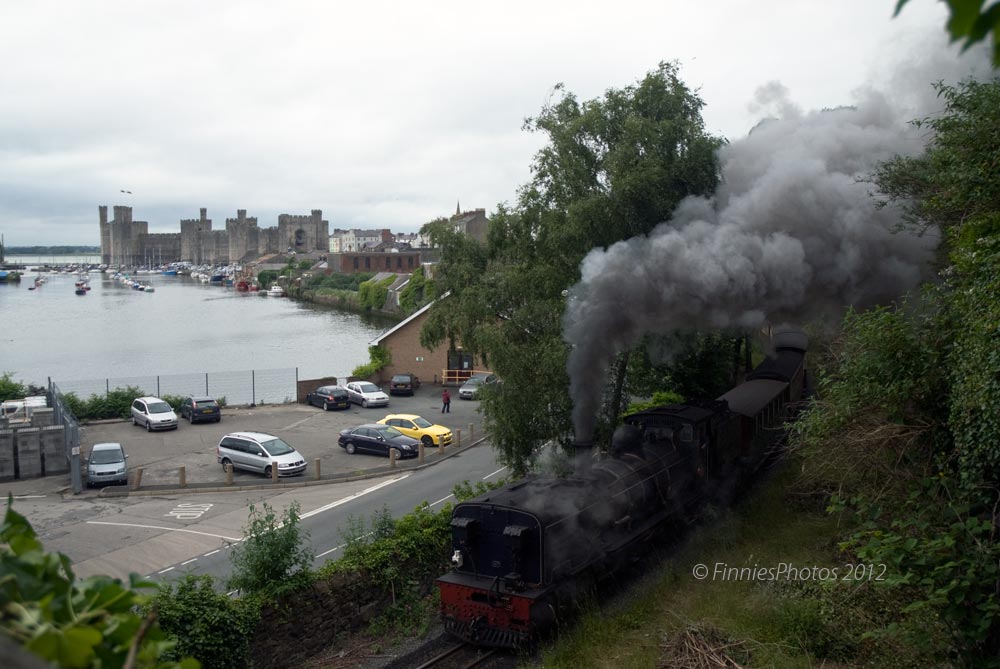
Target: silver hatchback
(154,414)
(107,465)
(257,452)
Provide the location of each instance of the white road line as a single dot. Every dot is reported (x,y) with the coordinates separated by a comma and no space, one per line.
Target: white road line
(165,570)
(494,473)
(335,548)
(28,496)
(158,527)
(189,561)
(213,552)
(441,500)
(331,505)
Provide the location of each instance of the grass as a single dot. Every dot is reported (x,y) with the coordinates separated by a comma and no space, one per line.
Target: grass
(775,626)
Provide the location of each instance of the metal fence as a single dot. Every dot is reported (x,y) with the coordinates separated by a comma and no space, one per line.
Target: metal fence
(260,386)
(64,416)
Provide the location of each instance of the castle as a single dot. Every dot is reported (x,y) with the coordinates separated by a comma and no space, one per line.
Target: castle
(128,242)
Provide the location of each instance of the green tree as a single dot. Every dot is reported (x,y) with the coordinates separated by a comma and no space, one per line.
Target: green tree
(969,23)
(273,557)
(612,168)
(69,622)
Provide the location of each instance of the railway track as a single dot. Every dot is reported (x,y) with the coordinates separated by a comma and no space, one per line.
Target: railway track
(458,656)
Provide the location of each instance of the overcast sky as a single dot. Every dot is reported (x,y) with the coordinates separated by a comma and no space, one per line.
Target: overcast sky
(382,114)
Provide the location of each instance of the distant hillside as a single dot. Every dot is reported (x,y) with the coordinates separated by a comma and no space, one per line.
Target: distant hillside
(50,250)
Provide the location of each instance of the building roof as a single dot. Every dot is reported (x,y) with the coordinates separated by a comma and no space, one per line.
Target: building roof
(403,323)
(747,399)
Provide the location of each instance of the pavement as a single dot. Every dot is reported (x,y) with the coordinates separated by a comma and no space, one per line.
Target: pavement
(310,430)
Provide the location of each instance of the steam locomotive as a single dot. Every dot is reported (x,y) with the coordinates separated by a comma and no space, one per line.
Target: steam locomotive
(524,552)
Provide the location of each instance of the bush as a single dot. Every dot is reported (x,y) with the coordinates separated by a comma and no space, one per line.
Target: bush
(205,624)
(374,293)
(115,404)
(11,389)
(272,558)
(267,277)
(380,357)
(337,281)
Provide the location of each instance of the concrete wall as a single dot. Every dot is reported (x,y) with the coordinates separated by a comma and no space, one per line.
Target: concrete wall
(32,452)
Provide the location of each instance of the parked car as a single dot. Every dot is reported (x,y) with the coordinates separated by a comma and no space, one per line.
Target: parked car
(378,439)
(154,414)
(256,452)
(419,428)
(329,397)
(367,394)
(107,464)
(201,409)
(403,384)
(470,389)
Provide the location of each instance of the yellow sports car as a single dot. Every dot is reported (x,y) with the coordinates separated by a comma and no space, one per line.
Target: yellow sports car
(419,428)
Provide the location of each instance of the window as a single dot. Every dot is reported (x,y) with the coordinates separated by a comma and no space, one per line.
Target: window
(399,262)
(388,263)
(356,265)
(368,263)
(409,261)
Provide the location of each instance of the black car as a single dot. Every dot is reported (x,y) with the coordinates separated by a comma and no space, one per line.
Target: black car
(403,384)
(201,410)
(329,397)
(378,439)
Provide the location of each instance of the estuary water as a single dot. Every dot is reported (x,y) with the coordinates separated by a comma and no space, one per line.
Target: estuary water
(183,328)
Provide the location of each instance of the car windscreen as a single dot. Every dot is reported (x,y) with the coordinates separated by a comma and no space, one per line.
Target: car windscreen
(422,422)
(106,457)
(159,407)
(474,381)
(368,388)
(204,404)
(276,447)
(389,432)
(400,379)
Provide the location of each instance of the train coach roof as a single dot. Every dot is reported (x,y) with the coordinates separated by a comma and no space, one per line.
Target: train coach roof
(747,399)
(681,411)
(780,367)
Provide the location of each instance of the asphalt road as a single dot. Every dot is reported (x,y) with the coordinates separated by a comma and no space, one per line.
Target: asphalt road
(165,532)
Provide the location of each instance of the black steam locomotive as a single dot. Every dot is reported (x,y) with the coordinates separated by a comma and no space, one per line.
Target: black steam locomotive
(523,552)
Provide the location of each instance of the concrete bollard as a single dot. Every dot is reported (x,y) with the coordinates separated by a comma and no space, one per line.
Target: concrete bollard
(229,474)
(137,479)
(274,471)
(318,461)
(440,448)
(183,475)
(458,438)
(420,453)
(472,432)
(392,458)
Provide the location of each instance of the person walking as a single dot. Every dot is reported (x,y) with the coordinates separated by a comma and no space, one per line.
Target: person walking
(446,401)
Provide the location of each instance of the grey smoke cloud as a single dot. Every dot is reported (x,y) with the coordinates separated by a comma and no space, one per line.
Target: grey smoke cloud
(791,234)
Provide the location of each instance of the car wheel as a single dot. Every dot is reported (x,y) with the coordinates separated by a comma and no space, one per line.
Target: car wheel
(349,447)
(191,418)
(133,421)
(267,471)
(218,419)
(428,442)
(326,406)
(399,454)
(149,426)
(364,403)
(226,464)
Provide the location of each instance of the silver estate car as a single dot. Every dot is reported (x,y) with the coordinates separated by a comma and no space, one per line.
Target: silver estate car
(256,452)
(107,464)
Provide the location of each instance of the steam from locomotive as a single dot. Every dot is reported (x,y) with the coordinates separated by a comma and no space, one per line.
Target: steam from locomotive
(790,234)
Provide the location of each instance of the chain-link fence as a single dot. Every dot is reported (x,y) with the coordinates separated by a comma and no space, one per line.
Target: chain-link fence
(260,386)
(62,415)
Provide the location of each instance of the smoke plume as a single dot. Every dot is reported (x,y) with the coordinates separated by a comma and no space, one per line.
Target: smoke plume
(790,234)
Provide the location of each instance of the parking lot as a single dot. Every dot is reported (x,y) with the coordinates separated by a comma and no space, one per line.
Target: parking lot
(310,430)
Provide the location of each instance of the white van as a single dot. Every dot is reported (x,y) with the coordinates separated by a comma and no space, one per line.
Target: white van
(19,411)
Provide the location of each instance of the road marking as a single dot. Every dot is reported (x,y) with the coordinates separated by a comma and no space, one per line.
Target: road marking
(213,552)
(28,496)
(441,500)
(189,561)
(165,570)
(335,548)
(299,422)
(332,505)
(494,473)
(168,529)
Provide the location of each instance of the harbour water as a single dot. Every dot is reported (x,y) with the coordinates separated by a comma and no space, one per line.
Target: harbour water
(184,327)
